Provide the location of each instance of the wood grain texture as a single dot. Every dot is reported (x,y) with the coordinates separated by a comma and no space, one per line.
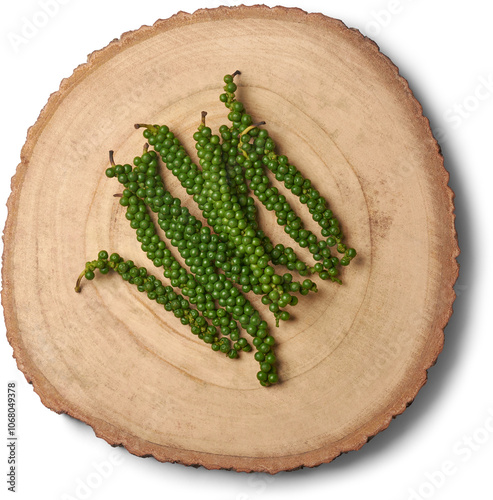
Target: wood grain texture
(353,357)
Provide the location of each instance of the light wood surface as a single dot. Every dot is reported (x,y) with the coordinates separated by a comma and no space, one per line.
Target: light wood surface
(352,357)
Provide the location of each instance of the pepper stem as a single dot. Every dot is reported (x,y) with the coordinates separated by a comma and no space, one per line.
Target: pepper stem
(237,72)
(79,279)
(112,159)
(203,114)
(251,127)
(147,126)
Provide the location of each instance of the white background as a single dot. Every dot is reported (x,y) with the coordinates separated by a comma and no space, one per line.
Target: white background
(442,446)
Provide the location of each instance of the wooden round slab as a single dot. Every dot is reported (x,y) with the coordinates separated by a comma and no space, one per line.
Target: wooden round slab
(352,357)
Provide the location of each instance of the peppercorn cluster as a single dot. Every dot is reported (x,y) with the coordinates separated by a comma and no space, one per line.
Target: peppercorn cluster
(230,256)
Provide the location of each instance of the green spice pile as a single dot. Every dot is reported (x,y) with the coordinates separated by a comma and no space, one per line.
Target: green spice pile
(232,249)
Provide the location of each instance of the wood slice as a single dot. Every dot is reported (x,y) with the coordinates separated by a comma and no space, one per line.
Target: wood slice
(353,356)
